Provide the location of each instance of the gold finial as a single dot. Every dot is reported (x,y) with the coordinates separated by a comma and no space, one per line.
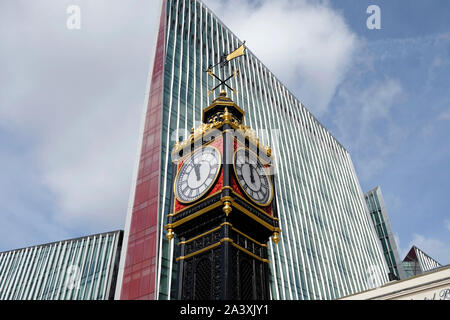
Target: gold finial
(275,237)
(226,115)
(223,93)
(227,207)
(169,234)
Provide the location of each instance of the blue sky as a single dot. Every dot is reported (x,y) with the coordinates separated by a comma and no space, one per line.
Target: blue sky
(412,53)
(71,102)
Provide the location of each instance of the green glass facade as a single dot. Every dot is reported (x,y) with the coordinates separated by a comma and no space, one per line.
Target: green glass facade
(76,269)
(377,209)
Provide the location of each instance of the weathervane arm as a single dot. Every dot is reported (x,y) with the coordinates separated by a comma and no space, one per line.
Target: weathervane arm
(224,84)
(211,73)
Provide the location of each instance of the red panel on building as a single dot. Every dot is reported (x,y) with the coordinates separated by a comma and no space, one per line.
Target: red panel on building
(140,264)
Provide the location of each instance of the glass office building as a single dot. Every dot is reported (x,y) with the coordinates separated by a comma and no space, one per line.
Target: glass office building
(328,248)
(76,269)
(417,262)
(377,209)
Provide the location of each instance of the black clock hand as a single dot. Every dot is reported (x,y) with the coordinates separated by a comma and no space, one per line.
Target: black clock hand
(252,178)
(197,170)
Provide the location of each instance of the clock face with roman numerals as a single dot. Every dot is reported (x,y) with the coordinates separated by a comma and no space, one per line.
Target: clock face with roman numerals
(253,177)
(197,174)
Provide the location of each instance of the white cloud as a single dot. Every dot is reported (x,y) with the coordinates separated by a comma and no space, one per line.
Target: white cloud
(447,224)
(444,115)
(306,44)
(365,124)
(77,98)
(433,247)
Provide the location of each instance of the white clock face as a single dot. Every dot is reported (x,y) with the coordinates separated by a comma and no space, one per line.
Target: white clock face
(253,177)
(197,174)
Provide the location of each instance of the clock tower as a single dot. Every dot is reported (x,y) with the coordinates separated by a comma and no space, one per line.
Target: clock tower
(223,208)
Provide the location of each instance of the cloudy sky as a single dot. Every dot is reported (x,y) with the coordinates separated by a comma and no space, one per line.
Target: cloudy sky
(71,102)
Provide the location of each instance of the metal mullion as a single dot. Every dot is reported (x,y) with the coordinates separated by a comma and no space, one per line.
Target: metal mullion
(32,276)
(305,221)
(45,256)
(97,254)
(337,200)
(57,276)
(202,73)
(86,265)
(47,269)
(293,188)
(85,254)
(187,21)
(7,259)
(67,291)
(24,277)
(282,244)
(11,291)
(341,221)
(357,232)
(315,179)
(346,225)
(182,63)
(291,277)
(67,263)
(294,148)
(89,267)
(318,169)
(277,253)
(3,259)
(102,262)
(286,216)
(359,206)
(277,93)
(317,199)
(334,221)
(77,256)
(63,270)
(8,274)
(112,256)
(326,158)
(319,154)
(193,45)
(324,150)
(54,273)
(325,206)
(76,252)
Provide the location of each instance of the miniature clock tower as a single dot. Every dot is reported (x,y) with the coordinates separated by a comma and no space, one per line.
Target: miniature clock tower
(223,208)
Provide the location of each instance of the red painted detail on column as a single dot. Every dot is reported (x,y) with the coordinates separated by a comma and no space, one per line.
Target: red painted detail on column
(140,264)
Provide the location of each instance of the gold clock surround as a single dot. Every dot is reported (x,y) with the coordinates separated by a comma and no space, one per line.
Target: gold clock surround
(208,189)
(268,176)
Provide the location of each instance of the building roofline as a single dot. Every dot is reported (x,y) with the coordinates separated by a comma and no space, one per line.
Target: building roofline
(399,281)
(64,240)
